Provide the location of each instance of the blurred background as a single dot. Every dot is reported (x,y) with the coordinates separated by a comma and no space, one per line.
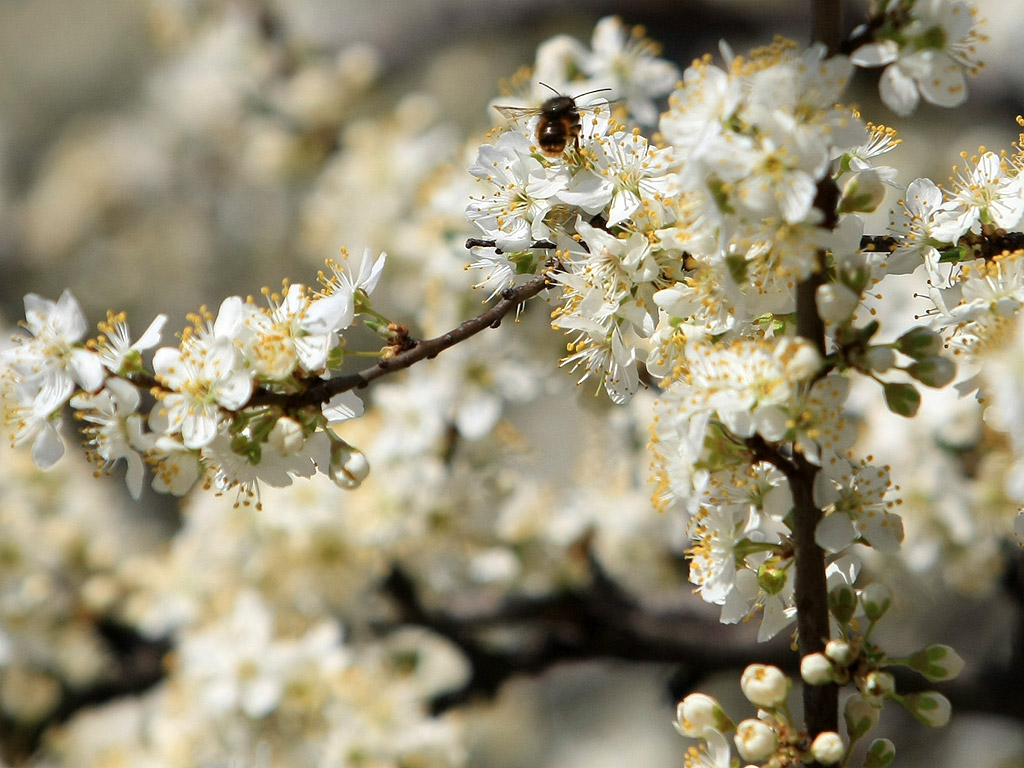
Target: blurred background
(158,156)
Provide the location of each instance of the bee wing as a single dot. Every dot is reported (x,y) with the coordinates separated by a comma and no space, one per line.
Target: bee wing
(517,113)
(597,107)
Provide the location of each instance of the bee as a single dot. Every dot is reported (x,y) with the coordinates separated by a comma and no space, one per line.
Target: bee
(559,120)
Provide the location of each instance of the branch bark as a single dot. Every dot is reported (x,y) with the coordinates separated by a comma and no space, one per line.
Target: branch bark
(821,702)
(827,24)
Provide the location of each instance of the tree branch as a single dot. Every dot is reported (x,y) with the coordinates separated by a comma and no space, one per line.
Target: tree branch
(827,24)
(320,391)
(600,620)
(821,702)
(596,620)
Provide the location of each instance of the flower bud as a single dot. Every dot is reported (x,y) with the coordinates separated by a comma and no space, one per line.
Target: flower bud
(699,712)
(937,662)
(828,748)
(930,708)
(801,359)
(770,577)
(764,685)
(876,599)
(349,466)
(919,342)
(863,192)
(755,740)
(842,603)
(841,652)
(860,716)
(835,302)
(878,358)
(286,437)
(880,754)
(816,669)
(901,398)
(935,371)
(878,684)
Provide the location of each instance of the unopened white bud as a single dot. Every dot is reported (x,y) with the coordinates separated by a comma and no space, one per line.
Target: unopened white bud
(878,684)
(816,669)
(876,599)
(879,358)
(860,715)
(349,466)
(841,652)
(880,754)
(697,713)
(835,302)
(764,685)
(755,740)
(863,192)
(828,748)
(286,437)
(930,708)
(937,662)
(935,371)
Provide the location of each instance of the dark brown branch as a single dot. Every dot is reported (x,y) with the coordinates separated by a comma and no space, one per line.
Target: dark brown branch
(983,246)
(476,242)
(809,325)
(827,23)
(811,589)
(821,702)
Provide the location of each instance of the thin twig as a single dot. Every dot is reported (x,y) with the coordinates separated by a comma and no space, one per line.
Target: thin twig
(322,391)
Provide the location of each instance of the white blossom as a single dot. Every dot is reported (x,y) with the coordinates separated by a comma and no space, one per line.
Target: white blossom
(928,57)
(203,377)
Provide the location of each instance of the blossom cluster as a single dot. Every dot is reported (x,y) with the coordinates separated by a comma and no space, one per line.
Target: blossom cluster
(694,275)
(774,738)
(201,422)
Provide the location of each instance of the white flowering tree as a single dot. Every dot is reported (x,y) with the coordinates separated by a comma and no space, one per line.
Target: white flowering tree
(779,424)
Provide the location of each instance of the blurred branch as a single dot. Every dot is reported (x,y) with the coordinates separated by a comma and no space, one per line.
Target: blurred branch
(595,620)
(601,620)
(827,23)
(138,665)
